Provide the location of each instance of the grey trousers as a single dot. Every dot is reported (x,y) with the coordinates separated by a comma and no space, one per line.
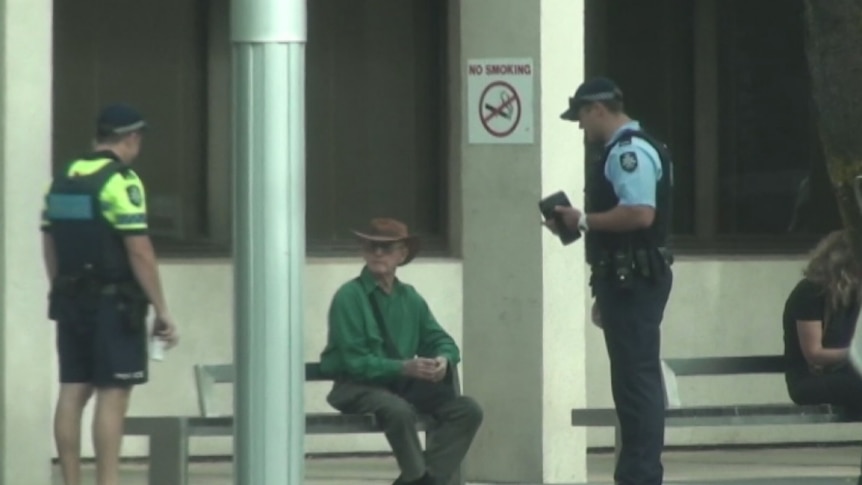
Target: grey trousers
(456,423)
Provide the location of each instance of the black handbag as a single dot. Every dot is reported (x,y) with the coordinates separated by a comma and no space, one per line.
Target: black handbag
(425,396)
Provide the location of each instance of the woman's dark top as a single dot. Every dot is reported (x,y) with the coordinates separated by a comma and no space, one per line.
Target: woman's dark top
(807,301)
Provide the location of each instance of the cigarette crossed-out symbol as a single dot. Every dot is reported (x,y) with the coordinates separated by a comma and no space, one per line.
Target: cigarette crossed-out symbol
(505,109)
(499,118)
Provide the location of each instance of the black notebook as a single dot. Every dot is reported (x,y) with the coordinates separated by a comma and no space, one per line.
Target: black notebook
(546,207)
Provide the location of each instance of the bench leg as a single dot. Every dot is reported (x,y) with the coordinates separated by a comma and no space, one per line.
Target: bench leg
(169,450)
(859,480)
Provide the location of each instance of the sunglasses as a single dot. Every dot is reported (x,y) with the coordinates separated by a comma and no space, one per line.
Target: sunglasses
(387,247)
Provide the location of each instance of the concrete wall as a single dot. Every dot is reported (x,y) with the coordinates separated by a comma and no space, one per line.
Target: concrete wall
(523,292)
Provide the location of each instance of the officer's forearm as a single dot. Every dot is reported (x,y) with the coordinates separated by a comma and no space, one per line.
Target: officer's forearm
(621,219)
(147,274)
(49,256)
(142,258)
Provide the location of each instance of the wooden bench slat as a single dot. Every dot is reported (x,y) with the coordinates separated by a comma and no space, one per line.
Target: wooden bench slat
(226,373)
(313,373)
(728,415)
(315,423)
(752,364)
(734,410)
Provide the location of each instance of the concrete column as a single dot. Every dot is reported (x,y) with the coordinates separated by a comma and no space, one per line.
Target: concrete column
(524,293)
(26,335)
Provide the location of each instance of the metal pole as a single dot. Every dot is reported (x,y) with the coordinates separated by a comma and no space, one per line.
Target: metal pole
(269,239)
(856,341)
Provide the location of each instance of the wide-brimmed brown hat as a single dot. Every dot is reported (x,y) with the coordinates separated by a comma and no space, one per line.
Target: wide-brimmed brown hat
(390,230)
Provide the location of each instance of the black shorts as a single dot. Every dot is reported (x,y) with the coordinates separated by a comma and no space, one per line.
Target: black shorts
(101,347)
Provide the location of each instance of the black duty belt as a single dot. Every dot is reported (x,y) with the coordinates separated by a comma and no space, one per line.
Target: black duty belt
(71,286)
(626,264)
(607,257)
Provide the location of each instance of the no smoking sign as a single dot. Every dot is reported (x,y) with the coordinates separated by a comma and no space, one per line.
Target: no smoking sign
(500,97)
(500,109)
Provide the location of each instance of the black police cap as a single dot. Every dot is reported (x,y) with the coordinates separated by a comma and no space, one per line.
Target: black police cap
(119,119)
(591,91)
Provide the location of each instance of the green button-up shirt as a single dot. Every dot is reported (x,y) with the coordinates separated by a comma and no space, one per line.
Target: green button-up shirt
(354,345)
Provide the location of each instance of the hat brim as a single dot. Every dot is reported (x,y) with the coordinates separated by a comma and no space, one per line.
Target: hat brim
(412,243)
(571,114)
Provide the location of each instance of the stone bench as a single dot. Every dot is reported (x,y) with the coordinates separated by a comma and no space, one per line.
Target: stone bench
(169,435)
(721,415)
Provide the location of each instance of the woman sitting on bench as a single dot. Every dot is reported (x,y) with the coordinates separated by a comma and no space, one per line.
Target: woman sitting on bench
(819,320)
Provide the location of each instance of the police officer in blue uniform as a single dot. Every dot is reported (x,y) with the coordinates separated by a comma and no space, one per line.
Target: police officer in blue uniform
(626,225)
(103,275)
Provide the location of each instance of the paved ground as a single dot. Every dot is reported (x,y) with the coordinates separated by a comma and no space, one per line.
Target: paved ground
(817,466)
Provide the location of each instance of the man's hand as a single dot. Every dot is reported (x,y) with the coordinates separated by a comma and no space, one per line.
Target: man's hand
(165,329)
(420,368)
(442,364)
(571,216)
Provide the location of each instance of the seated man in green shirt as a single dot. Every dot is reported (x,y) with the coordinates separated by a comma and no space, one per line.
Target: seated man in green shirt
(390,357)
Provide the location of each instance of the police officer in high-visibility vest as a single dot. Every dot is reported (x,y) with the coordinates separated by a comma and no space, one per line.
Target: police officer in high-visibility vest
(626,225)
(103,275)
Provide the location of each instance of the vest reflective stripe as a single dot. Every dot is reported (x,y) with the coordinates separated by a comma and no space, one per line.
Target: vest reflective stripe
(70,207)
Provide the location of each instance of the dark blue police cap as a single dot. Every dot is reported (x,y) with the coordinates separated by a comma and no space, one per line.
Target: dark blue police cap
(592,90)
(119,119)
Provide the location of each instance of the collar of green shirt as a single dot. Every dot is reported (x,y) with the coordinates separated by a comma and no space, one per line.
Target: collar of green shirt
(369,283)
(101,155)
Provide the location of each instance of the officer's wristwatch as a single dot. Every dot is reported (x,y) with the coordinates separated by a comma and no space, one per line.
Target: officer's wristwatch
(582,223)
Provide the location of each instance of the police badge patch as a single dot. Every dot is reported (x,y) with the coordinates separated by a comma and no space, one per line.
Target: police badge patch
(134,194)
(629,161)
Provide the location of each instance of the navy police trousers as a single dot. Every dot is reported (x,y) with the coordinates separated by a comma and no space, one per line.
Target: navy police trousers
(631,318)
